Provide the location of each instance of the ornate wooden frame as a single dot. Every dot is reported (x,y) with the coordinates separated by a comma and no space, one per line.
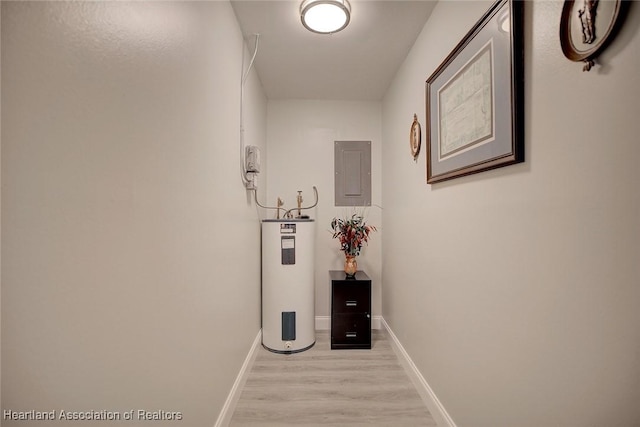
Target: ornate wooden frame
(588,26)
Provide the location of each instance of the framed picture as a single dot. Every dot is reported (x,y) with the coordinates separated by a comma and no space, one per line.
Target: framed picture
(588,26)
(474,99)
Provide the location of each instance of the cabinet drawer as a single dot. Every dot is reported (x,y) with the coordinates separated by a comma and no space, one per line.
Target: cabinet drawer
(351,299)
(351,330)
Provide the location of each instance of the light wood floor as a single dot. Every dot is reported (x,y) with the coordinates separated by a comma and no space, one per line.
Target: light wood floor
(328,387)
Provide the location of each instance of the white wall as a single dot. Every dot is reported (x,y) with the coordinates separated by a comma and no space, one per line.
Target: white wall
(300,140)
(515,291)
(130,250)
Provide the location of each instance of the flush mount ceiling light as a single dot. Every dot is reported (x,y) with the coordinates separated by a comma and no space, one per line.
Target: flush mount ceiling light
(325,16)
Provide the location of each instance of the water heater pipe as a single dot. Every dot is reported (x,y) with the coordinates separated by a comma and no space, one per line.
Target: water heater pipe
(287,212)
(245,180)
(315,191)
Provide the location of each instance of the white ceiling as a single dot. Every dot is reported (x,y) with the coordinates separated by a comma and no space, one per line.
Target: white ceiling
(356,64)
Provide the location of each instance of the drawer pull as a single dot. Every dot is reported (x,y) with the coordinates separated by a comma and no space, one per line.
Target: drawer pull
(351,334)
(352,303)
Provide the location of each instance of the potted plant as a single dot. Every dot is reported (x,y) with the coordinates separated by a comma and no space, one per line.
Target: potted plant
(352,233)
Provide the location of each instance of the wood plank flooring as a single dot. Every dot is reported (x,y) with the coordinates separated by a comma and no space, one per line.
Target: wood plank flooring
(328,387)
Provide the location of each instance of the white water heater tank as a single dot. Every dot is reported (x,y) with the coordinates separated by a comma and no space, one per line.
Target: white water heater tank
(288,285)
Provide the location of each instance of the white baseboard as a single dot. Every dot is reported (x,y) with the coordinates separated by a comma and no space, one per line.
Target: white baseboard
(438,412)
(224,418)
(323,323)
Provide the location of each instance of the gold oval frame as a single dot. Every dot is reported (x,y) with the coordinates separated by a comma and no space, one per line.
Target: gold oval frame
(415,137)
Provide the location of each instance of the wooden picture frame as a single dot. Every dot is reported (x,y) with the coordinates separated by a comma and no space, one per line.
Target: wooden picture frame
(587,27)
(474,99)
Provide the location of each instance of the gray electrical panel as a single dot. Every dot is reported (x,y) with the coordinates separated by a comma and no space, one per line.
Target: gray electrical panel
(352,173)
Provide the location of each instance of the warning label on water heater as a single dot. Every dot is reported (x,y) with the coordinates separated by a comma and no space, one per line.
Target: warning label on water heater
(287,228)
(288,250)
(288,243)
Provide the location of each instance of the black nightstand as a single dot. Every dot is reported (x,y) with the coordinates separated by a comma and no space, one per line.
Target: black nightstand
(350,311)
